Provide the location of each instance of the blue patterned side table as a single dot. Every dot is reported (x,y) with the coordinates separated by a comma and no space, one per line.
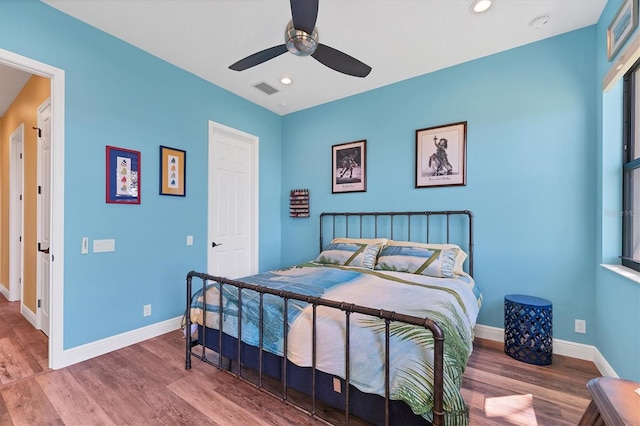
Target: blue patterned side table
(528,329)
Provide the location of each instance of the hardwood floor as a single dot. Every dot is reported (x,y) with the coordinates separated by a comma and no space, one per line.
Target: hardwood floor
(146,384)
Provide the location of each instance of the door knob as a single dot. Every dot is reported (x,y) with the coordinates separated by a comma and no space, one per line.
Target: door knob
(214,244)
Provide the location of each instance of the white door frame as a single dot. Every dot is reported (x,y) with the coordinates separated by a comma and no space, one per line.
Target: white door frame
(221,129)
(56,285)
(16,213)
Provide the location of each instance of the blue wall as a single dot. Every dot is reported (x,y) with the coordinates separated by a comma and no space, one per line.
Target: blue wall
(118,95)
(530,160)
(617,299)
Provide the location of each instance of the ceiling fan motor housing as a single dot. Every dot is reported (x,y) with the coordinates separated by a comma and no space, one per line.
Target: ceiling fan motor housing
(299,42)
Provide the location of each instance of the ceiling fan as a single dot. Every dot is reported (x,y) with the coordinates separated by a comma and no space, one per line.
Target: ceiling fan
(301,39)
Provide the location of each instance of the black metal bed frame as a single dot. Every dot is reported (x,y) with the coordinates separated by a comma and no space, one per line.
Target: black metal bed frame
(348,308)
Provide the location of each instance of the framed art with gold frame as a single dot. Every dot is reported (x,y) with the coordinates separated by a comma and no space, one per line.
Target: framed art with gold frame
(173,167)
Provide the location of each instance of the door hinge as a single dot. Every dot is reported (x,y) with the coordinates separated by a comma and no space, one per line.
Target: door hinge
(39,189)
(39,304)
(21,156)
(20,197)
(20,238)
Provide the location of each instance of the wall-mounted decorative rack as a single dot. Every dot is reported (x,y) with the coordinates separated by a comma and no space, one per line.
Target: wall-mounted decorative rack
(299,203)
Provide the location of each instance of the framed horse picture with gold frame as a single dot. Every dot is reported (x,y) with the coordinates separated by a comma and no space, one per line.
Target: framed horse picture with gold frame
(441,155)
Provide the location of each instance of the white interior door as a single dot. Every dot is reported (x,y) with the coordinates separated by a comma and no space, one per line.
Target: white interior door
(16,143)
(44,216)
(233,202)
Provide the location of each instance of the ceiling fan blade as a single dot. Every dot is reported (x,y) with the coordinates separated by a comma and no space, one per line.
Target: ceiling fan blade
(340,61)
(258,58)
(304,14)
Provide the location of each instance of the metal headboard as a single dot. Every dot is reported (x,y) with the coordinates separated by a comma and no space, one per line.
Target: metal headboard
(447,226)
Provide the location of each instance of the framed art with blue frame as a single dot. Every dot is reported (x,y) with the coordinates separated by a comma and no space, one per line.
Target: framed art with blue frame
(123,176)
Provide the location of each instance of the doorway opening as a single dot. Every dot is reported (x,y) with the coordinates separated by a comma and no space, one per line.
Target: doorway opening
(53,173)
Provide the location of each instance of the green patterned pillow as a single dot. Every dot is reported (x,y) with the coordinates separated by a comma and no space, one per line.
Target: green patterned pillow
(433,262)
(350,254)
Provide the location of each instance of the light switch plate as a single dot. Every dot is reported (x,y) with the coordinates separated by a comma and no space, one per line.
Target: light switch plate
(100,246)
(189,240)
(85,246)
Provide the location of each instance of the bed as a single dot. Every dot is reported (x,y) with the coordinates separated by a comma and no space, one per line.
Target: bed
(378,325)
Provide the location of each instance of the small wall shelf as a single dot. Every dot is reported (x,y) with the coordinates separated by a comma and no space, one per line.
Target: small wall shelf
(299,203)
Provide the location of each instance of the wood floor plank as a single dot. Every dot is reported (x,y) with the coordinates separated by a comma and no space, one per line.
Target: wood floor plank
(257,401)
(146,363)
(28,405)
(5,417)
(71,401)
(165,347)
(16,362)
(203,397)
(36,342)
(104,387)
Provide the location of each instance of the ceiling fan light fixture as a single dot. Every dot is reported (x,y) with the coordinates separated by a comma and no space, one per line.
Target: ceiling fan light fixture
(479,6)
(299,42)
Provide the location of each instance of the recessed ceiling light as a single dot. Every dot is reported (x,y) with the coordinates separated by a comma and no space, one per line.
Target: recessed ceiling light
(540,21)
(479,6)
(286,81)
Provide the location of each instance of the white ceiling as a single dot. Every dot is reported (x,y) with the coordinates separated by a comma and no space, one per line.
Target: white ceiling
(12,81)
(399,39)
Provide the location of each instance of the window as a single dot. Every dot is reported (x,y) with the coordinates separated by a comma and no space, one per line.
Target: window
(631,170)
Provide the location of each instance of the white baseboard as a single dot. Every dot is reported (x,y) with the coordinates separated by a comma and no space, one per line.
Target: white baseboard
(101,347)
(29,315)
(5,292)
(560,347)
(602,365)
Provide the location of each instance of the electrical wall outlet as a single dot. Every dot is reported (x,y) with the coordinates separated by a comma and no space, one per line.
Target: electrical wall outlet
(581,326)
(146,310)
(189,240)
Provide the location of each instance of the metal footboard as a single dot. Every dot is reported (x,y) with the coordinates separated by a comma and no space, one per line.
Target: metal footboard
(347,308)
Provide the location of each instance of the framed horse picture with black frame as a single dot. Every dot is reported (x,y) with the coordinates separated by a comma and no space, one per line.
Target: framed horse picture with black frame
(349,165)
(441,155)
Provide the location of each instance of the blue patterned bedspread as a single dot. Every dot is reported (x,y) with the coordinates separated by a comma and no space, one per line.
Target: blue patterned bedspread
(452,302)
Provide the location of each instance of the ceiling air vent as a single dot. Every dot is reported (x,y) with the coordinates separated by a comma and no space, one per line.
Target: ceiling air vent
(266,88)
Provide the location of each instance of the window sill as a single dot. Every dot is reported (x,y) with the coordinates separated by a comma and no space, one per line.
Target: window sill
(627,273)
